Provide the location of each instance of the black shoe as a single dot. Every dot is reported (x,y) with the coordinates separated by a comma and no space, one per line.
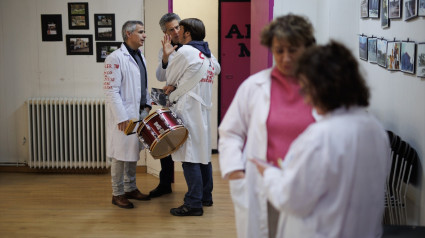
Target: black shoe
(160,190)
(207,203)
(184,210)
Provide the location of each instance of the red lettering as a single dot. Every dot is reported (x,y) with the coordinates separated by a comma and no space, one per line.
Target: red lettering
(108,66)
(200,55)
(117,66)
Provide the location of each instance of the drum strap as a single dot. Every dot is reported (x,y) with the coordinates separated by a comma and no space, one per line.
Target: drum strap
(191,83)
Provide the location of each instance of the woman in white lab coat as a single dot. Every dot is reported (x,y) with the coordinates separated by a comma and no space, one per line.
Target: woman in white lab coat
(265,116)
(332,181)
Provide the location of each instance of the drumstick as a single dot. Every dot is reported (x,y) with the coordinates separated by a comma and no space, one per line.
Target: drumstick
(130,127)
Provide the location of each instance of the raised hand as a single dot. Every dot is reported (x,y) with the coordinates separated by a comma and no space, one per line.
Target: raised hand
(167,48)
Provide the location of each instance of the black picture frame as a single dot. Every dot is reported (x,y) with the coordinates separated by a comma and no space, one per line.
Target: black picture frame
(421,8)
(393,55)
(364,8)
(363,47)
(420,60)
(385,20)
(394,9)
(79,44)
(410,9)
(103,49)
(381,52)
(371,50)
(104,27)
(408,55)
(78,15)
(51,27)
(374,8)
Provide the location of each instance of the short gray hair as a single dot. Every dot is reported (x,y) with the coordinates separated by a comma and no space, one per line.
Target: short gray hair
(168,18)
(129,26)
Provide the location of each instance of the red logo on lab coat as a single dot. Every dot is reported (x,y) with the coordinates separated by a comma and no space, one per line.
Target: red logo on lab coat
(117,66)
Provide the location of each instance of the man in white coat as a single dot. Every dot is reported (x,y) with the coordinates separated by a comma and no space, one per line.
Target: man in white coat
(193,63)
(127,98)
(169,24)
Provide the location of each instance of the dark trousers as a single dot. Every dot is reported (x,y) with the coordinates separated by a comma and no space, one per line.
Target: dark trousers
(199,183)
(166,176)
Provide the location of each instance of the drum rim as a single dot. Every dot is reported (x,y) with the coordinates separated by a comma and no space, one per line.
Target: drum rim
(172,151)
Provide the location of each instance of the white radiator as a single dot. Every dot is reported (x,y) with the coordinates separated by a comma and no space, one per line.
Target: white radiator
(66,133)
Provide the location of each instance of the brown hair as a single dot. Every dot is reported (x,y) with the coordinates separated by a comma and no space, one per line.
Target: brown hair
(195,27)
(295,29)
(333,77)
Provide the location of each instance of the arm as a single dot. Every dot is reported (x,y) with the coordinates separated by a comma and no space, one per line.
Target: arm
(112,89)
(233,133)
(160,71)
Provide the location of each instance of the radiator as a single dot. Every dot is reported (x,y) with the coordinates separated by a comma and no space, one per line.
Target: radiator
(66,133)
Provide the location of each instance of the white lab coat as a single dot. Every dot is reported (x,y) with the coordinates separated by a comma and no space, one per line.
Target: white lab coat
(194,107)
(122,89)
(243,134)
(160,72)
(332,181)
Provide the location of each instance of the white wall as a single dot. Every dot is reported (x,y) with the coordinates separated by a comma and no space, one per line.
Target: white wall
(32,68)
(398,99)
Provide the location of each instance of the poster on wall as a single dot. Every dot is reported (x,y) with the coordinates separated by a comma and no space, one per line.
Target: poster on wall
(79,44)
(394,9)
(371,50)
(51,27)
(410,9)
(381,52)
(420,66)
(364,8)
(393,55)
(408,57)
(363,47)
(421,8)
(104,27)
(78,15)
(385,21)
(103,49)
(374,8)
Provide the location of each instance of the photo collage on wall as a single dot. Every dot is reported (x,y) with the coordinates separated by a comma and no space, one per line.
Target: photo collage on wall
(78,19)
(404,56)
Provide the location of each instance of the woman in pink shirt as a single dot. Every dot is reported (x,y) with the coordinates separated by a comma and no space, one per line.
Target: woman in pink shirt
(266,115)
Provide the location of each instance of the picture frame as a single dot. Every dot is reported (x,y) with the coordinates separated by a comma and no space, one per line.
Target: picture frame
(104,27)
(78,15)
(393,55)
(410,9)
(103,49)
(363,47)
(421,8)
(364,8)
(394,9)
(420,60)
(407,57)
(51,27)
(371,50)
(381,52)
(79,44)
(374,8)
(385,21)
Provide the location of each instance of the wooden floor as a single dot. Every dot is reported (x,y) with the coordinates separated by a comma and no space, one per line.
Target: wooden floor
(75,205)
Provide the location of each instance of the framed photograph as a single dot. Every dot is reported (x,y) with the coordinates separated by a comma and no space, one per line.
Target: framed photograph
(421,8)
(385,21)
(393,55)
(104,27)
(364,8)
(410,9)
(103,49)
(408,57)
(371,50)
(420,61)
(363,47)
(51,27)
(374,8)
(381,52)
(78,15)
(394,9)
(79,44)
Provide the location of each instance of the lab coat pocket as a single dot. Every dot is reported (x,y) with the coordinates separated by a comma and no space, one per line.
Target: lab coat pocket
(238,193)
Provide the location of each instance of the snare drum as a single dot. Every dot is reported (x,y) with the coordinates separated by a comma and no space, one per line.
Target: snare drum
(162,133)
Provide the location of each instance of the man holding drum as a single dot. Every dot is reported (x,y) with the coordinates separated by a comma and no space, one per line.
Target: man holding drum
(191,74)
(125,87)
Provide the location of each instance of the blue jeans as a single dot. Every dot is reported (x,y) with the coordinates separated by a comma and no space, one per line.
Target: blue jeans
(199,183)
